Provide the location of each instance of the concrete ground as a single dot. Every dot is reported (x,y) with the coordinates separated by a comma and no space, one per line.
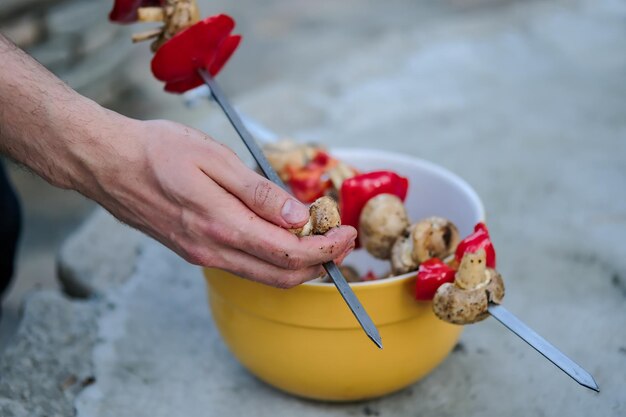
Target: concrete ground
(525,101)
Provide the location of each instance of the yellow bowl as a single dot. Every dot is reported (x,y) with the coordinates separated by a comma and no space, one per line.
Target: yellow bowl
(307,342)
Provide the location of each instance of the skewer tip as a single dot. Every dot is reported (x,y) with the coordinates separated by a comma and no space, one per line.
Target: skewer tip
(590,383)
(377,341)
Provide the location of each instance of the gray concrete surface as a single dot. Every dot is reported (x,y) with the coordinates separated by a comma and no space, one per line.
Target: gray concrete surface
(524,101)
(99,256)
(48,363)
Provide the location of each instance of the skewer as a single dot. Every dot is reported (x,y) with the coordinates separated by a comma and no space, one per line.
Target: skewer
(335,274)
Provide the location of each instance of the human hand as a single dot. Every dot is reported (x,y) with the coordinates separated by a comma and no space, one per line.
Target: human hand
(196,197)
(170,181)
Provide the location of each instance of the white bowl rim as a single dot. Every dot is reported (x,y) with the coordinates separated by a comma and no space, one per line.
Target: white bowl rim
(427,165)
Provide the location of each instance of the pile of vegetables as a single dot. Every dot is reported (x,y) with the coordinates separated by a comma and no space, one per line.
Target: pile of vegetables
(457,274)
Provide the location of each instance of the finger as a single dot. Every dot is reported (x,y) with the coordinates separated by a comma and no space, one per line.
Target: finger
(223,218)
(288,251)
(260,195)
(343,256)
(255,269)
(252,234)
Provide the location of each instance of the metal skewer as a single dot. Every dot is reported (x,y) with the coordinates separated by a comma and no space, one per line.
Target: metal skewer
(542,346)
(335,274)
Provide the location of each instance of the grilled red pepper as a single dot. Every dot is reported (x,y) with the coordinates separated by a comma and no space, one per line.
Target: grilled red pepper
(478,240)
(125,11)
(356,191)
(430,276)
(308,183)
(207,44)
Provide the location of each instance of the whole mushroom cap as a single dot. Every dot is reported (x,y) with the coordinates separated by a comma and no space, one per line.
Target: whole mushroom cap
(323,216)
(383,220)
(402,255)
(434,237)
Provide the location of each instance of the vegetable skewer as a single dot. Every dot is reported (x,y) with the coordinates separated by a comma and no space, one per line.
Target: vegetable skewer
(507,318)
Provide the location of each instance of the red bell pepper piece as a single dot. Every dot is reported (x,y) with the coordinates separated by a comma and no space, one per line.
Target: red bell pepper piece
(125,11)
(356,191)
(308,183)
(478,240)
(430,276)
(207,44)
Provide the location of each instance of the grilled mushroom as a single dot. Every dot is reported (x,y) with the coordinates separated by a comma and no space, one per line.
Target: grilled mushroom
(467,299)
(433,237)
(323,216)
(382,221)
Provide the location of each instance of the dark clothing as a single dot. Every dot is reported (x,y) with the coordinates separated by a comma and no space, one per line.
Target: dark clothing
(10,222)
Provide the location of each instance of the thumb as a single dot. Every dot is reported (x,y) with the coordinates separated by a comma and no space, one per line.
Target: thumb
(265,198)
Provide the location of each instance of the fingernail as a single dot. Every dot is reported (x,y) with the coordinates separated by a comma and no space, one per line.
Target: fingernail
(294,212)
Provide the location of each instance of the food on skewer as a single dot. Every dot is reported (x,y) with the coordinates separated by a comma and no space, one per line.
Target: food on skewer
(433,237)
(431,274)
(126,11)
(323,216)
(356,191)
(382,221)
(478,240)
(475,285)
(176,16)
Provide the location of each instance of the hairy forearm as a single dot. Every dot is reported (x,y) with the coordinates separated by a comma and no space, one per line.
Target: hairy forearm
(47,126)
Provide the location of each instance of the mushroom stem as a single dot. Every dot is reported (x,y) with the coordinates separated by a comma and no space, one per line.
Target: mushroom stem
(148,34)
(150,14)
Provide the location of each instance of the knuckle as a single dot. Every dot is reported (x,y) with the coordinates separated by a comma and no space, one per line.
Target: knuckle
(199,256)
(225,150)
(218,232)
(294,262)
(262,193)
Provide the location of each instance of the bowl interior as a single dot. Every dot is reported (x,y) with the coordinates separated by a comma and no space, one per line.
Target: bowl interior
(433,191)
